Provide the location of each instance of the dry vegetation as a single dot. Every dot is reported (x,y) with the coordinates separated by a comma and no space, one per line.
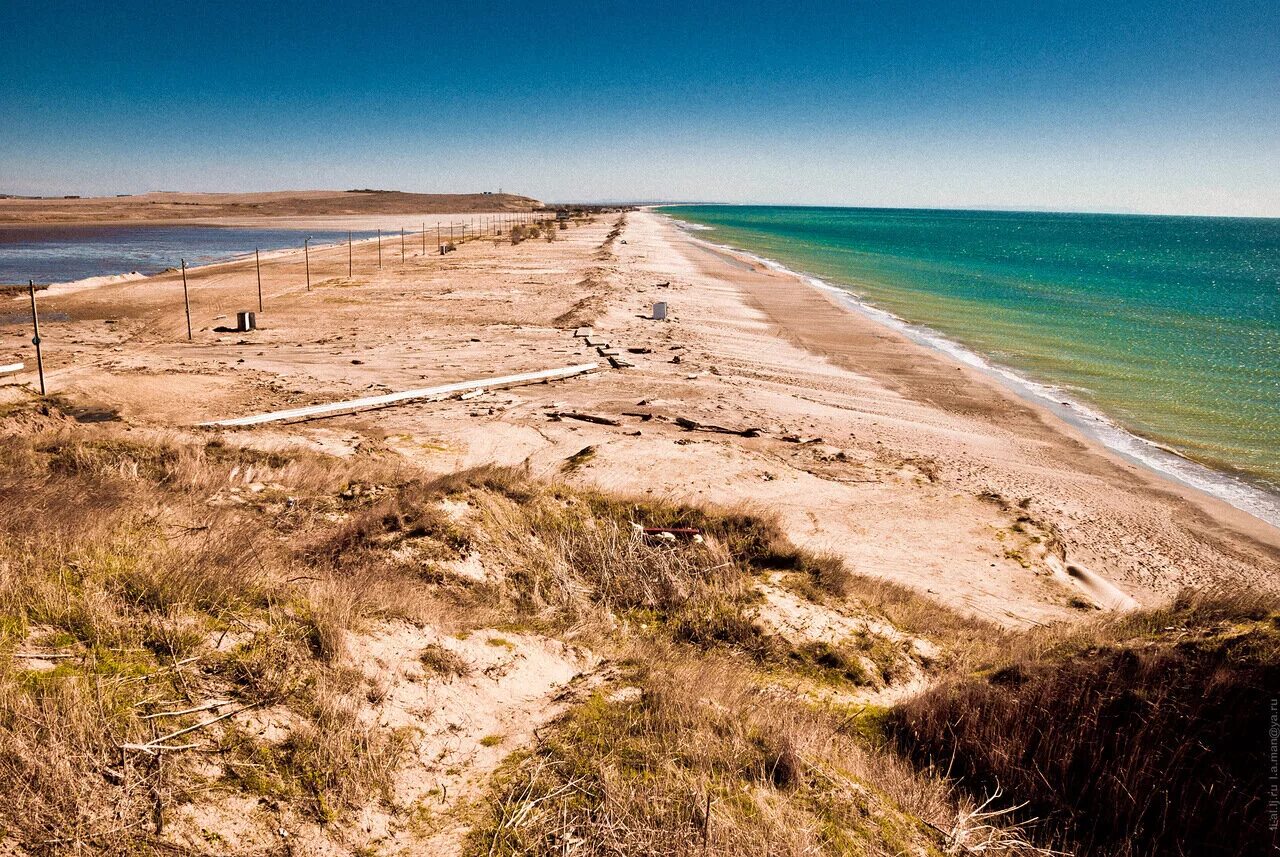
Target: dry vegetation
(157,592)
(1142,735)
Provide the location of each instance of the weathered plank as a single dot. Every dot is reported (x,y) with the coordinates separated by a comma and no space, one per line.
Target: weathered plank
(384,401)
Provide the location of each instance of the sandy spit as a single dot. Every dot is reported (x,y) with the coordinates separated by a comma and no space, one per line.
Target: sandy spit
(910,465)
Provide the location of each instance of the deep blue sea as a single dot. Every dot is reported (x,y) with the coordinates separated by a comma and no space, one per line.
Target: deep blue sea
(1167,326)
(59,254)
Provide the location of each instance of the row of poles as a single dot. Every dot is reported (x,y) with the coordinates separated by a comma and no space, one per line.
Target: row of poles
(499,223)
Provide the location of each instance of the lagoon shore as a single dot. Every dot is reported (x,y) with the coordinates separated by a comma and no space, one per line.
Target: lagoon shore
(908,464)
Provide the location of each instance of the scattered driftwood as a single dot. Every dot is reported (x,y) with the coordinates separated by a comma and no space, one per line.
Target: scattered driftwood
(586,418)
(693,425)
(641,414)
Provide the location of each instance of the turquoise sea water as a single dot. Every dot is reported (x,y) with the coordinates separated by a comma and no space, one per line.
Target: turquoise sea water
(1169,326)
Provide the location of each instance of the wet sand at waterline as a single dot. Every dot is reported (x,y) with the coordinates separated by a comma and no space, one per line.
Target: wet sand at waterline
(915,468)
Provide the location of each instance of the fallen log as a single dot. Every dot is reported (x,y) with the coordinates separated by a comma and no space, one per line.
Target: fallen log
(586,418)
(369,403)
(693,425)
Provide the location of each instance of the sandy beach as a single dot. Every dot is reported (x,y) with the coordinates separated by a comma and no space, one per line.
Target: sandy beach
(888,453)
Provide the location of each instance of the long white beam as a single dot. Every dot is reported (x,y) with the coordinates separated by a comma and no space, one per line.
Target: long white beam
(373,402)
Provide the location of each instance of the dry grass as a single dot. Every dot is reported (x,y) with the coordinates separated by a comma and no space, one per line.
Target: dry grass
(1133,736)
(695,758)
(124,561)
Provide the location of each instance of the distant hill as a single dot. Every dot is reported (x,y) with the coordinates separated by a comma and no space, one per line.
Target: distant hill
(168,205)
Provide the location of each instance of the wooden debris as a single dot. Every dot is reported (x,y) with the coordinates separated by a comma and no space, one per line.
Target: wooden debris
(795,438)
(582,331)
(693,425)
(160,745)
(620,363)
(608,352)
(586,418)
(385,401)
(11,368)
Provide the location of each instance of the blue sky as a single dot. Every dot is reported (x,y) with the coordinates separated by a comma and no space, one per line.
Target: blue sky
(1163,107)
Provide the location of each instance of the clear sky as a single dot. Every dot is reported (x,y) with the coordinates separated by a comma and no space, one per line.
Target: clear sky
(1109,106)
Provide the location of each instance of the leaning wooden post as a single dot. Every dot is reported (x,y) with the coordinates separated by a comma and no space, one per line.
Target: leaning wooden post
(35,339)
(257,261)
(186,298)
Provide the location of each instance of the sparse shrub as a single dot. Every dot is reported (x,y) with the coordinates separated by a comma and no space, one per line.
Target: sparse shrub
(444,662)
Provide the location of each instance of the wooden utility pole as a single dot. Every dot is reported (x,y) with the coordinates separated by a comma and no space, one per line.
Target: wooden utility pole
(35,339)
(186,298)
(257,263)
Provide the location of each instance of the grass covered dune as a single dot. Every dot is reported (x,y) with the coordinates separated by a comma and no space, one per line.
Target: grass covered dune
(209,648)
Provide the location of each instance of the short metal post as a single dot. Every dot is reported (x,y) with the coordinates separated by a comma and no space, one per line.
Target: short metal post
(186,298)
(257,261)
(35,340)
(306,254)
